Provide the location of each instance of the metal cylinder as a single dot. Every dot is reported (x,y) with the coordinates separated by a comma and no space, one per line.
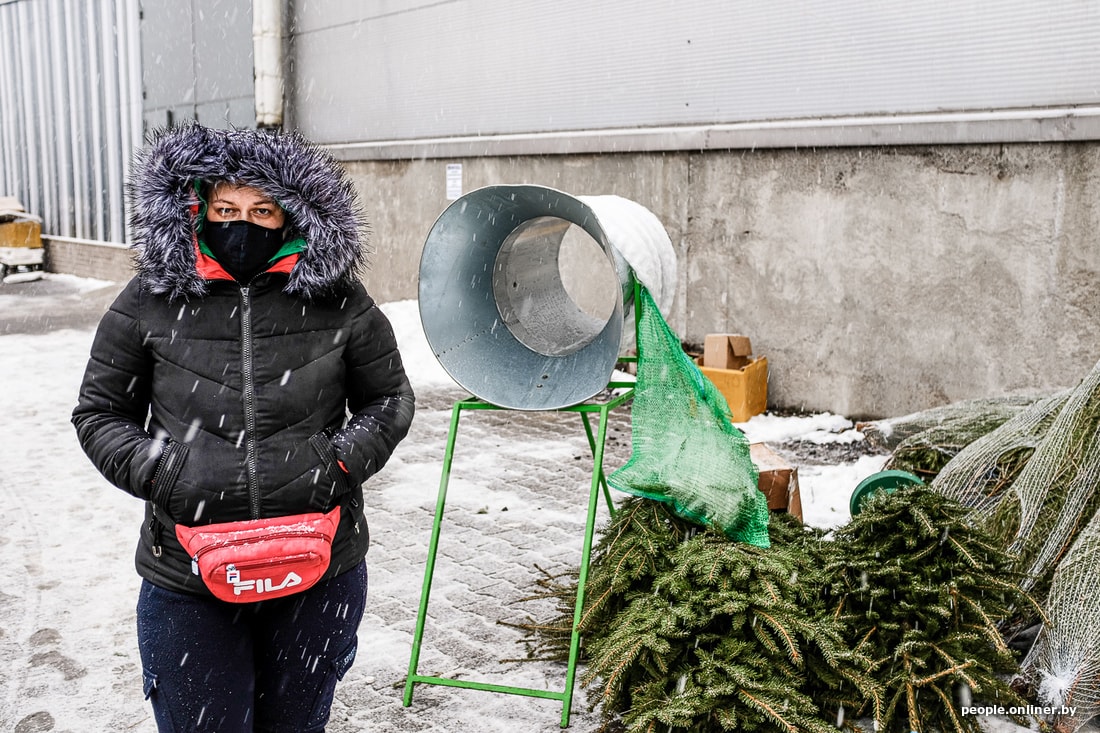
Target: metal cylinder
(523,293)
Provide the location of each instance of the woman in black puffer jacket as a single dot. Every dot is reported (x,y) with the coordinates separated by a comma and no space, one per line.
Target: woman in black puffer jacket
(243,374)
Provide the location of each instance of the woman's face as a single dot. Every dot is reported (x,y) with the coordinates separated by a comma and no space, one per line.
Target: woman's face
(244,203)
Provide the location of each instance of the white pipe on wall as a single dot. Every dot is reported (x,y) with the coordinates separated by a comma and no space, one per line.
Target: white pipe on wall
(267,51)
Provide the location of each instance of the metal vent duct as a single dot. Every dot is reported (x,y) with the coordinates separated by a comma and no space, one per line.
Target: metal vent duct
(524,290)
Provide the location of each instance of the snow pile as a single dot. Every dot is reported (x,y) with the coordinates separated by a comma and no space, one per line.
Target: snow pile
(821,428)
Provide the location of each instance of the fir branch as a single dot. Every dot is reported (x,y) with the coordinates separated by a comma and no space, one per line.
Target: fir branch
(911,702)
(960,669)
(971,560)
(955,670)
(612,679)
(788,640)
(924,521)
(783,714)
(987,626)
(769,710)
(956,723)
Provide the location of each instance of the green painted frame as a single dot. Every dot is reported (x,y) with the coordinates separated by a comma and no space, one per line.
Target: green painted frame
(596,444)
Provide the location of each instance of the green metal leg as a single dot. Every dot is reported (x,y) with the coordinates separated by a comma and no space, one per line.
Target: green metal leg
(598,468)
(586,552)
(598,481)
(433,545)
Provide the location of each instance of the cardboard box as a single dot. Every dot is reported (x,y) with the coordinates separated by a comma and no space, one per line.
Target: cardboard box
(726,351)
(745,390)
(778,481)
(21,234)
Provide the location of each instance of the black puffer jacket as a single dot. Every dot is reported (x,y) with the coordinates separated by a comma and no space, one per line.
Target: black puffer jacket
(216,401)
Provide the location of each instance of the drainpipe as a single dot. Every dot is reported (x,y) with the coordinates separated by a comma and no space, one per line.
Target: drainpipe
(267,51)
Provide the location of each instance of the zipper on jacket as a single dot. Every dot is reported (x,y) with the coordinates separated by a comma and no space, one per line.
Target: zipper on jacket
(249,387)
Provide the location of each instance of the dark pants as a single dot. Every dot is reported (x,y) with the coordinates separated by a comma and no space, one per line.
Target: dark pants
(270,666)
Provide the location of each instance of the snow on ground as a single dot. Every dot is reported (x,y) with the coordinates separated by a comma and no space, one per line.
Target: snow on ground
(516,501)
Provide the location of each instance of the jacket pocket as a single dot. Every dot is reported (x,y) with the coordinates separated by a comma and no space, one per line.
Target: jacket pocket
(322,443)
(162,705)
(334,672)
(343,663)
(168,470)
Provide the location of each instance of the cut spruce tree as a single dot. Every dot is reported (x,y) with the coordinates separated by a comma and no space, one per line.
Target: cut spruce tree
(894,618)
(689,631)
(631,551)
(922,593)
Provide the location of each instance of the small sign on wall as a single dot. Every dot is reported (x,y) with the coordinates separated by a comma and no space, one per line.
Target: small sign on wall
(454,181)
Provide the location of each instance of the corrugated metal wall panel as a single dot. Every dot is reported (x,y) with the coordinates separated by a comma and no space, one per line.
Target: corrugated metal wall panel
(69,111)
(400,71)
(316,15)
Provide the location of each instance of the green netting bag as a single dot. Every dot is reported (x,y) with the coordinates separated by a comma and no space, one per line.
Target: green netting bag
(686,452)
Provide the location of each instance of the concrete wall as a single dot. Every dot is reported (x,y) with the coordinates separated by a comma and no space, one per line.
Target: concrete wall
(878,281)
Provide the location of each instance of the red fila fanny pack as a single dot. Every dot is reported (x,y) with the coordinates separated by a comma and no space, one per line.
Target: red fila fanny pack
(252,560)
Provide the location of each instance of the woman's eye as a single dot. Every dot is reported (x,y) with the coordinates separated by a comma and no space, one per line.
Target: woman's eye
(262,212)
(225,212)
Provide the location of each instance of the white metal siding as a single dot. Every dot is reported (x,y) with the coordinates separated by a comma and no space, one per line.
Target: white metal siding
(393,71)
(70,111)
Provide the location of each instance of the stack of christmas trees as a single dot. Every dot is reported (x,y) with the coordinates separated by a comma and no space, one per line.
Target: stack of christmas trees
(893,619)
(896,617)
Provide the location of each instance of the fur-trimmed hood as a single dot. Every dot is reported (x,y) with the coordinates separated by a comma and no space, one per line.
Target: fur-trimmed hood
(317,195)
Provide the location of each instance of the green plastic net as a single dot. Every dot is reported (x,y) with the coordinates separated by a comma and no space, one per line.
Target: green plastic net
(685,450)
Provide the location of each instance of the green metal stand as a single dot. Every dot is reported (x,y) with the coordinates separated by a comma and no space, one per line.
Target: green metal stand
(596,443)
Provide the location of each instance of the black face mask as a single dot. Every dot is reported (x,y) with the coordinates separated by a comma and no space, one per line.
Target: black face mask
(241,247)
